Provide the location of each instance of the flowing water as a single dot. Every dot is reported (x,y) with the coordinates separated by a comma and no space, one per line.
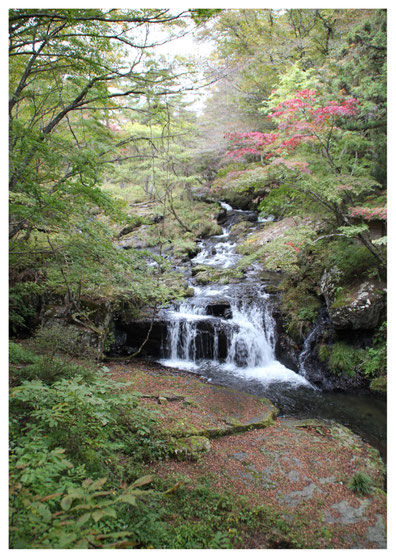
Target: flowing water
(227,334)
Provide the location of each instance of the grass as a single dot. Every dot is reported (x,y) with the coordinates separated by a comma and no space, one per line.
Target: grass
(361,483)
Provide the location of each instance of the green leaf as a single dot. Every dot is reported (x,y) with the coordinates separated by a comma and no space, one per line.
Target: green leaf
(142,481)
(97,515)
(353,230)
(98,484)
(44,511)
(128,498)
(83,519)
(382,241)
(67,502)
(110,512)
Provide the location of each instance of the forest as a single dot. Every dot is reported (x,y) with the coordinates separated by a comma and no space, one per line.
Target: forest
(197,278)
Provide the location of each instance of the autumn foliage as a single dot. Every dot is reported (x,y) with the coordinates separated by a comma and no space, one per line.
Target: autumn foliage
(302,118)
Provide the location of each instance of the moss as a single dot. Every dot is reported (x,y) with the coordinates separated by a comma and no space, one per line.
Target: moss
(240,228)
(206,274)
(378,384)
(341,299)
(190,448)
(208,229)
(185,247)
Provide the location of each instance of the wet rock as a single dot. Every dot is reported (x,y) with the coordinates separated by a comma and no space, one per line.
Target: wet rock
(222,216)
(144,333)
(219,309)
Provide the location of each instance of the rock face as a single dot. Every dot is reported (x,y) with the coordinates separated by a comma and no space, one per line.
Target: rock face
(145,334)
(358,307)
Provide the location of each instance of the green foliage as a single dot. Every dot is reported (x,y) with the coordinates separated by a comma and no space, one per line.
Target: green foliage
(23,305)
(283,201)
(375,362)
(47,371)
(343,359)
(20,355)
(90,421)
(300,307)
(379,385)
(361,483)
(353,230)
(57,337)
(283,253)
(49,356)
(249,180)
(72,518)
(354,261)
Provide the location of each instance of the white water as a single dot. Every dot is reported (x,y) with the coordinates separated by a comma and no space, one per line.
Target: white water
(242,345)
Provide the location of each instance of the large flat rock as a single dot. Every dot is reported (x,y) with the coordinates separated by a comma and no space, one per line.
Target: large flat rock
(190,407)
(300,470)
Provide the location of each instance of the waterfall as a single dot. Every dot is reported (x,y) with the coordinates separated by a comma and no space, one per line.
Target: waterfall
(306,360)
(227,328)
(310,339)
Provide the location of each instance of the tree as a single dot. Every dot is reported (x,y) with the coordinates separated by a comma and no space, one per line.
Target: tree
(316,156)
(70,72)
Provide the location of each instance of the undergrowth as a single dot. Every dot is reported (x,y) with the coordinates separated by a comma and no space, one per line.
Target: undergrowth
(81,454)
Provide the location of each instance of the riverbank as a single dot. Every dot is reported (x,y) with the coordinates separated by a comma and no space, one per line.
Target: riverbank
(302,469)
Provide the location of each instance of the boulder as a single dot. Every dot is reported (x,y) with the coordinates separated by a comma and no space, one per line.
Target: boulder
(190,448)
(360,306)
(219,309)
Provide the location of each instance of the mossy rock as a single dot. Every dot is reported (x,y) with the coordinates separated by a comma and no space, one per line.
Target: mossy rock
(378,385)
(347,439)
(240,228)
(190,448)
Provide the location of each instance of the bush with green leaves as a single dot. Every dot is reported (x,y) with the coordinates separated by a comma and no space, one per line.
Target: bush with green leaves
(74,517)
(61,338)
(26,365)
(91,421)
(375,362)
(354,261)
(23,305)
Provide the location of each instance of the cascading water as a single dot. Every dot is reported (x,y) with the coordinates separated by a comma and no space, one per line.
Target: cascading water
(227,334)
(236,339)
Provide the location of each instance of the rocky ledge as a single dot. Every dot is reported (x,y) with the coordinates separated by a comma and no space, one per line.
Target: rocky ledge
(303,469)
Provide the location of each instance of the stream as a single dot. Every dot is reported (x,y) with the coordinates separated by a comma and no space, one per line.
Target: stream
(227,335)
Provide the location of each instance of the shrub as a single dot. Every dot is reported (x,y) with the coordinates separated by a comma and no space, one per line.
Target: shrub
(353,260)
(345,360)
(91,421)
(58,337)
(19,354)
(375,361)
(361,483)
(26,365)
(23,304)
